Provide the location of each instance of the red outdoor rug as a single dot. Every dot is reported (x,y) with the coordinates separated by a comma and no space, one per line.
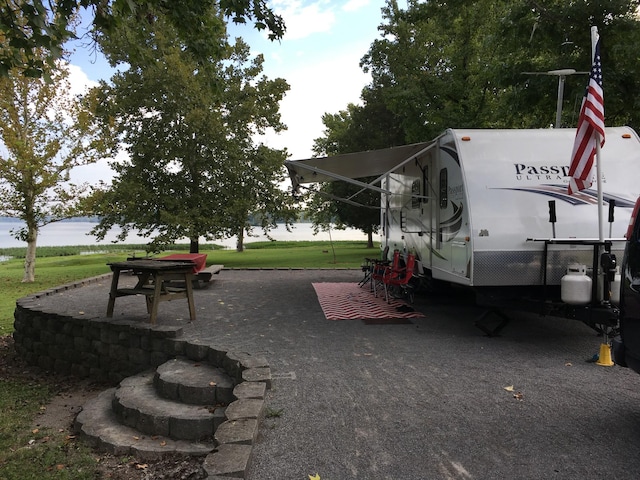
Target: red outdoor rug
(348,301)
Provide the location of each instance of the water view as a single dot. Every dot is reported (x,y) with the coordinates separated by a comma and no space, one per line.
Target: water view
(77,233)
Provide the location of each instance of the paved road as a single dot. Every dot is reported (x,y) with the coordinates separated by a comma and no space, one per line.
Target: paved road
(424,400)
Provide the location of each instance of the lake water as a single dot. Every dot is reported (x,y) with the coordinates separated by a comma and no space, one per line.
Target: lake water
(76,233)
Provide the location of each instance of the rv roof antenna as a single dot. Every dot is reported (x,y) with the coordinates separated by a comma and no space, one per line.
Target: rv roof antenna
(562,76)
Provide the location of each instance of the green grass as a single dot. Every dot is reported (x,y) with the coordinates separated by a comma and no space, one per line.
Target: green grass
(31,453)
(26,453)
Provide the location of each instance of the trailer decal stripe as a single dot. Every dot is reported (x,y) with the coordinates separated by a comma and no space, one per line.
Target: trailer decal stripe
(584,197)
(451,226)
(452,152)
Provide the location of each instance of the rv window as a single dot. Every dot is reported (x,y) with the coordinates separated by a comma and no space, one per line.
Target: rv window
(443,188)
(416,191)
(425,184)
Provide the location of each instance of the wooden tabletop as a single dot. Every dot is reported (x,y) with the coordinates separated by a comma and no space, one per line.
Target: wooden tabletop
(154,265)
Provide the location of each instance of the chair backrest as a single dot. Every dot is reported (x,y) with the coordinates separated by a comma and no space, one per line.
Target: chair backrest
(411,261)
(379,269)
(395,262)
(404,274)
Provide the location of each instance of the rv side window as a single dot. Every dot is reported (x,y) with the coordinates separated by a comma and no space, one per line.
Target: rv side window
(425,184)
(443,188)
(416,191)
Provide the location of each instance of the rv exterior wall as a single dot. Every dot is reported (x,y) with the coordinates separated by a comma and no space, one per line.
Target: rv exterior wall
(489,193)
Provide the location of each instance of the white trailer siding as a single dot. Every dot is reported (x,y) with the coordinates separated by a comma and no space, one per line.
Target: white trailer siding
(510,176)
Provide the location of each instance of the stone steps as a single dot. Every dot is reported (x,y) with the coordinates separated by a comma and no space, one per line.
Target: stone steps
(193,383)
(137,404)
(98,424)
(183,407)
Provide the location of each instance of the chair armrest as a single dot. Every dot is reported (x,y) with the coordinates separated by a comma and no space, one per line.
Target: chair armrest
(390,273)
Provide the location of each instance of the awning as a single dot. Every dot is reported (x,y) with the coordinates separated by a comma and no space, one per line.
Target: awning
(351,166)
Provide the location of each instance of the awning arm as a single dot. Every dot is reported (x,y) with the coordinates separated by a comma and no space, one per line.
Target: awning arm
(404,162)
(341,199)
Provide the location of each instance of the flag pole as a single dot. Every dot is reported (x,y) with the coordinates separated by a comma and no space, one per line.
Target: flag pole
(594,41)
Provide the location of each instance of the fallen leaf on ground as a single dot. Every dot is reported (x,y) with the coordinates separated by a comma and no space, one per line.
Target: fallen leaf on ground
(509,388)
(518,396)
(314,477)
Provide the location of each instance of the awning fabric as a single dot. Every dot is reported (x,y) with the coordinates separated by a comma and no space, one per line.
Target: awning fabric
(351,166)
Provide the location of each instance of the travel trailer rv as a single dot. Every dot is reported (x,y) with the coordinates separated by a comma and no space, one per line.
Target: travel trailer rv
(489,209)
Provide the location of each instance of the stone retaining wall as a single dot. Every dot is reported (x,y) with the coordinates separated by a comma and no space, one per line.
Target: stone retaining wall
(110,350)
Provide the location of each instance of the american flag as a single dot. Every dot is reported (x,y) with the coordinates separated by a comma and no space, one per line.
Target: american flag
(590,123)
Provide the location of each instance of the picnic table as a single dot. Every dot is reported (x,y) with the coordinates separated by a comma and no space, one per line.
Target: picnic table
(154,282)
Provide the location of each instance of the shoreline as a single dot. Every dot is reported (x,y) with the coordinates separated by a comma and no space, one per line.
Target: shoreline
(69,234)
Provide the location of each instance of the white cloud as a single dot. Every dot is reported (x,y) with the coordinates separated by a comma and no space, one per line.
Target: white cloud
(79,80)
(353,5)
(315,90)
(304,20)
(101,170)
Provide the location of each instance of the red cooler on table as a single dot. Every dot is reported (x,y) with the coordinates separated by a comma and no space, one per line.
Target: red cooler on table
(200,259)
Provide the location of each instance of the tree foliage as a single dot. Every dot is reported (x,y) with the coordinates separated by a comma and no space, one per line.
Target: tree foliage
(46,132)
(29,26)
(460,63)
(257,193)
(358,128)
(192,170)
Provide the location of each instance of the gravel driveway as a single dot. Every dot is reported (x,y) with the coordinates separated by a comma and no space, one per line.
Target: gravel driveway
(430,399)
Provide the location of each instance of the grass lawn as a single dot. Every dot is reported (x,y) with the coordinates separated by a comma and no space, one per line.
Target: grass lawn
(31,453)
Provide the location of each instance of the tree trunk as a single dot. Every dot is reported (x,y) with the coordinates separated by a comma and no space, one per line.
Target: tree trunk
(194,246)
(30,257)
(369,239)
(240,241)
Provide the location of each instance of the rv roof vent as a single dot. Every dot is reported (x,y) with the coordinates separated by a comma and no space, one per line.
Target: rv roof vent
(465,139)
(626,135)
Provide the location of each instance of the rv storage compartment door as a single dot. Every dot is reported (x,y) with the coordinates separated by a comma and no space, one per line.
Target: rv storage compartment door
(460,257)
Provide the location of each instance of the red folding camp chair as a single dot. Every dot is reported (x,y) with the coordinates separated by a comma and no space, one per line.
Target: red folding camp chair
(370,263)
(379,268)
(398,279)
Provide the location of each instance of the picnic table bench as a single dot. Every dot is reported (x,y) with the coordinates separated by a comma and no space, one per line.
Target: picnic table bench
(203,277)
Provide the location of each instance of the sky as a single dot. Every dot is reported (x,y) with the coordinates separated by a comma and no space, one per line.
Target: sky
(319,57)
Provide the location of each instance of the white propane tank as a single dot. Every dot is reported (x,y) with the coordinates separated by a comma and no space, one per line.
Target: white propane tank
(575,286)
